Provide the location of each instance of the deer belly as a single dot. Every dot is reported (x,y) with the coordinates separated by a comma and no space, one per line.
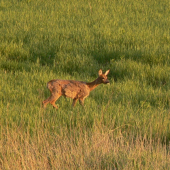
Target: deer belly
(71,94)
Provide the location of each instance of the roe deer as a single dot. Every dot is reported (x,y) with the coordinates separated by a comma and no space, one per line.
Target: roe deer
(77,90)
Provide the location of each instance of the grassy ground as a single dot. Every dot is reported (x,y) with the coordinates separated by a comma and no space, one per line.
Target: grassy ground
(123,126)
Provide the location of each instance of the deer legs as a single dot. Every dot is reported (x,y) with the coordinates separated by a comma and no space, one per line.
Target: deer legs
(74,101)
(81,101)
(52,99)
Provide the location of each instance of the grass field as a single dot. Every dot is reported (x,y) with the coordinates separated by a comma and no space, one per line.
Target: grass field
(124,125)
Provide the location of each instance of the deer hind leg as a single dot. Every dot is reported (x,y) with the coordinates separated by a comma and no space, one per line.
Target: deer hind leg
(52,99)
(74,101)
(45,102)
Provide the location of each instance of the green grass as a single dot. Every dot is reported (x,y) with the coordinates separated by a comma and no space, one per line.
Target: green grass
(125,125)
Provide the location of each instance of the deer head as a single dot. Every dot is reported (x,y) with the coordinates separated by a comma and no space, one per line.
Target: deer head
(103,77)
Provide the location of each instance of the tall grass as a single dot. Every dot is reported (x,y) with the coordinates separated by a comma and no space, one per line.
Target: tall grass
(122,126)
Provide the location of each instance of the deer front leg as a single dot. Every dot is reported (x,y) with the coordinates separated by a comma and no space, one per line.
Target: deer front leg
(74,101)
(81,101)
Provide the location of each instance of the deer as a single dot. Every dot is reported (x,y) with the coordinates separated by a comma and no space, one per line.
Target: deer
(77,90)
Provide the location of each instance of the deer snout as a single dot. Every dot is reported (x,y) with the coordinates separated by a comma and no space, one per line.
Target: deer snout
(106,82)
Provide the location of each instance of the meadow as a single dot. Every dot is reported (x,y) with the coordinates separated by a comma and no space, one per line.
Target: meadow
(124,125)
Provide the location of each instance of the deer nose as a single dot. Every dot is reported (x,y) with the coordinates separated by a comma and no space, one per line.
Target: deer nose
(107,81)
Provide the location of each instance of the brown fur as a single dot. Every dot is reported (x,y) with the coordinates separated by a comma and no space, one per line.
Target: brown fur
(77,90)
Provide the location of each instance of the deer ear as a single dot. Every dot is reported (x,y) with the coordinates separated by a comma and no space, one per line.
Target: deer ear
(100,72)
(107,72)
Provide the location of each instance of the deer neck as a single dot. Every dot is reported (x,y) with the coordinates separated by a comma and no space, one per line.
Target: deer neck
(92,85)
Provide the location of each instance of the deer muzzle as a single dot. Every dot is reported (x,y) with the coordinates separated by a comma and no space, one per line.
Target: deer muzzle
(107,81)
